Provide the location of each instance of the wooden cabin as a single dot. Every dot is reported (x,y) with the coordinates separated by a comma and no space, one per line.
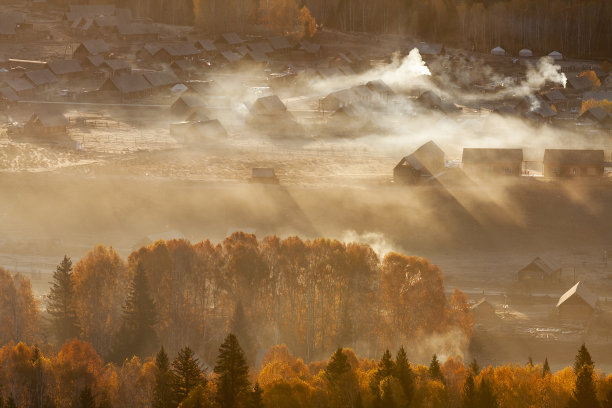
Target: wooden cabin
(426,161)
(578,303)
(540,269)
(573,163)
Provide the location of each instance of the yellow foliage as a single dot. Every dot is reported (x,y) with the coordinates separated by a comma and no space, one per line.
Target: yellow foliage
(591,103)
(592,77)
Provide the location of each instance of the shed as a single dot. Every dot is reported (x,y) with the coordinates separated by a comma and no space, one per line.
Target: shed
(555,97)
(91,47)
(594,115)
(483,310)
(46,124)
(230,57)
(264,175)
(557,56)
(578,303)
(498,51)
(525,53)
(540,269)
(431,100)
(337,100)
(187,104)
(579,84)
(8,96)
(21,86)
(262,47)
(65,67)
(93,61)
(426,161)
(171,52)
(573,163)
(493,162)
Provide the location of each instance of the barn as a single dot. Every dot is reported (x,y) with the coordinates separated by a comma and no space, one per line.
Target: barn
(573,163)
(483,310)
(46,124)
(493,162)
(578,303)
(426,161)
(540,269)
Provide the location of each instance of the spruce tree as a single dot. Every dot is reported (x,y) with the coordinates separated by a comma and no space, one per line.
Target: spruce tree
(256,400)
(385,369)
(186,374)
(10,403)
(242,329)
(545,368)
(386,399)
(338,366)
(60,303)
(435,371)
(162,393)
(403,373)
(474,367)
(468,395)
(584,394)
(137,336)
(232,370)
(582,357)
(486,395)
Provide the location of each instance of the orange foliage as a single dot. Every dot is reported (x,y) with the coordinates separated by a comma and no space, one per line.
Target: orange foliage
(280,15)
(307,23)
(591,103)
(592,77)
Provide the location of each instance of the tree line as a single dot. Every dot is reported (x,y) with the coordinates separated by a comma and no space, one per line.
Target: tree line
(310,295)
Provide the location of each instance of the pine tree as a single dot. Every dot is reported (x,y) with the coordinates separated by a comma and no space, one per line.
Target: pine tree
(386,399)
(241,327)
(468,395)
(385,369)
(256,400)
(86,398)
(486,395)
(233,373)
(435,371)
(584,394)
(162,393)
(186,374)
(403,373)
(60,304)
(474,367)
(582,357)
(545,368)
(337,366)
(137,336)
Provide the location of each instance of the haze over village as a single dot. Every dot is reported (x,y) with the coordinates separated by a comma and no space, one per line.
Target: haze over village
(299,203)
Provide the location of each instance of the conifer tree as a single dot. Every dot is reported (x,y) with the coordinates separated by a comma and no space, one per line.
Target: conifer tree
(468,395)
(337,366)
(403,373)
(60,304)
(162,393)
(10,403)
(386,399)
(241,327)
(385,369)
(137,336)
(486,395)
(474,367)
(582,357)
(196,399)
(545,368)
(233,373)
(584,394)
(256,400)
(86,398)
(435,371)
(186,374)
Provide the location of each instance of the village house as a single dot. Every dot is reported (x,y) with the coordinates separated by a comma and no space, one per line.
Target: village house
(177,51)
(90,47)
(431,100)
(573,163)
(380,88)
(116,67)
(161,79)
(207,46)
(186,104)
(280,45)
(540,269)
(67,68)
(483,310)
(350,120)
(126,86)
(426,161)
(596,116)
(41,78)
(8,97)
(21,86)
(578,303)
(228,41)
(264,175)
(337,100)
(44,124)
(493,162)
(556,98)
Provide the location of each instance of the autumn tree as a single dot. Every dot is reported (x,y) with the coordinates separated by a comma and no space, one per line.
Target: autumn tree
(60,303)
(137,336)
(342,385)
(233,374)
(18,309)
(186,374)
(468,394)
(197,398)
(435,372)
(386,368)
(162,393)
(307,23)
(404,374)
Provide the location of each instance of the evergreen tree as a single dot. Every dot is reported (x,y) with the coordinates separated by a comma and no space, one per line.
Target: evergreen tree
(338,366)
(545,368)
(435,371)
(584,394)
(403,373)
(86,398)
(186,374)
(233,373)
(241,327)
(137,336)
(60,303)
(468,395)
(386,399)
(582,357)
(162,393)
(486,395)
(385,369)
(474,367)
(256,400)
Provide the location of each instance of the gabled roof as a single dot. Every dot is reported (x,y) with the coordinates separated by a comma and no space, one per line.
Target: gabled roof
(582,292)
(161,78)
(230,56)
(151,49)
(95,60)
(49,119)
(268,105)
(256,56)
(211,87)
(242,50)
(117,64)
(361,91)
(544,264)
(379,86)
(261,47)
(206,45)
(429,148)
(579,83)
(555,96)
(19,84)
(190,100)
(93,47)
(569,156)
(232,38)
(279,43)
(128,83)
(64,67)
(8,94)
(344,95)
(596,112)
(41,77)
(485,155)
(183,49)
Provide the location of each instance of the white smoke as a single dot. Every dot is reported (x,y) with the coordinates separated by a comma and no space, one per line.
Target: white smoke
(545,71)
(376,240)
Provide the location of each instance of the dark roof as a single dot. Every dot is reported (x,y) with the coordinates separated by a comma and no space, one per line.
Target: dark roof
(544,264)
(117,64)
(129,83)
(192,101)
(95,60)
(261,47)
(161,78)
(582,292)
(41,77)
(49,119)
(8,94)
(579,83)
(232,38)
(379,86)
(279,43)
(183,49)
(554,96)
(206,45)
(268,105)
(63,67)
(152,49)
(569,156)
(231,56)
(596,112)
(19,84)
(429,148)
(598,96)
(94,47)
(485,155)
(310,48)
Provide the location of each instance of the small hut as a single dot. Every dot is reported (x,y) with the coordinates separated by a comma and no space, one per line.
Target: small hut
(498,51)
(578,303)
